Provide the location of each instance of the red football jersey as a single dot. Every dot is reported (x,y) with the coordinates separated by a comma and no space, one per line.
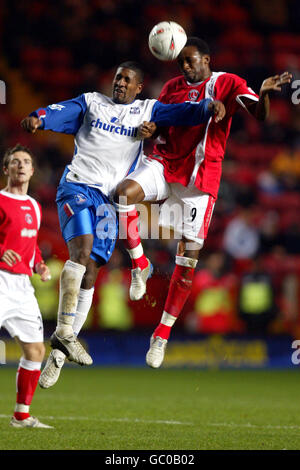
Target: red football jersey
(193,155)
(20,218)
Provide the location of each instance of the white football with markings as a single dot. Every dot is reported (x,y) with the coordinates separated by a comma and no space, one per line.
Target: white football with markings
(166,40)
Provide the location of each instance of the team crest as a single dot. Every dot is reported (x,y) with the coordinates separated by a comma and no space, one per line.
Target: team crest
(28,219)
(80,198)
(193,95)
(135,110)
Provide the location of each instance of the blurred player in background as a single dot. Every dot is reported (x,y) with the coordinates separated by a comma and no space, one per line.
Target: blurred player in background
(20,218)
(185,169)
(108,146)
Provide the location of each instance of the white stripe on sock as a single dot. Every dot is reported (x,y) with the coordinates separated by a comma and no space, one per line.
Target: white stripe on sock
(184,261)
(167,319)
(123,208)
(20,408)
(136,252)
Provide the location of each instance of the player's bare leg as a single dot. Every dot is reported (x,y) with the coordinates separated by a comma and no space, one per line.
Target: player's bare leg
(56,359)
(70,281)
(179,290)
(27,378)
(129,193)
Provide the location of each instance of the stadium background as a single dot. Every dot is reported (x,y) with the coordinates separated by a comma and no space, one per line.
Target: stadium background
(244,309)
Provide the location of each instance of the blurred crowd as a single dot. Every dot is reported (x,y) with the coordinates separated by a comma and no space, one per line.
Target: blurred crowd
(62,49)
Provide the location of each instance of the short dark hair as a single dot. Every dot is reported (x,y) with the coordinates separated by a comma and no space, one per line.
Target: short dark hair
(201,45)
(12,150)
(132,65)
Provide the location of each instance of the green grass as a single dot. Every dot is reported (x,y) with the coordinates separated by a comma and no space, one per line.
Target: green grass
(144,409)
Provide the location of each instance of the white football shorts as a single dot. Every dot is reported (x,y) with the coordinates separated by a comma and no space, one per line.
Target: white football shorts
(19,311)
(186,210)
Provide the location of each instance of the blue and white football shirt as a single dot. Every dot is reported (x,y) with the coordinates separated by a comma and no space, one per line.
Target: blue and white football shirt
(107,145)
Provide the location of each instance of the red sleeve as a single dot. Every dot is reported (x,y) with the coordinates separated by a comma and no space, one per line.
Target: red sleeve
(163,97)
(230,88)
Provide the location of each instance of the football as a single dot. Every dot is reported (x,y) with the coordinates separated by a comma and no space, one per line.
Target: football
(166,40)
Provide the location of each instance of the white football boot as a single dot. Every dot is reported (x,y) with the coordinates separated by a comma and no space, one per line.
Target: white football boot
(139,279)
(30,422)
(156,353)
(72,348)
(52,369)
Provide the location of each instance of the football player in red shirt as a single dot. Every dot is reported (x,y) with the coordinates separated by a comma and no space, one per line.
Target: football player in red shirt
(185,170)
(20,218)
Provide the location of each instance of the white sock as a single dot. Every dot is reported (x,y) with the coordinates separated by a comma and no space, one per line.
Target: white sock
(70,281)
(85,300)
(29,365)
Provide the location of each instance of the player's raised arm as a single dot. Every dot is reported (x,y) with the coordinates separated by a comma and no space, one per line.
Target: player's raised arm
(65,117)
(261,108)
(186,114)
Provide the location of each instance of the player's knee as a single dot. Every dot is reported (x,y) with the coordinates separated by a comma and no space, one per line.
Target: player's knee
(35,352)
(39,351)
(128,192)
(122,191)
(81,255)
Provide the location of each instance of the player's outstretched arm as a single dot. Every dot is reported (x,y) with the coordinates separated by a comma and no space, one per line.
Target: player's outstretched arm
(65,117)
(261,109)
(186,114)
(218,109)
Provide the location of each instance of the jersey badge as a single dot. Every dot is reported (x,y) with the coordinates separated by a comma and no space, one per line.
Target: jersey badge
(193,95)
(28,218)
(135,110)
(41,113)
(80,198)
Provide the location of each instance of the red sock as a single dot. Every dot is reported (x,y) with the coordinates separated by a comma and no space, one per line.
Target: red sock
(179,290)
(163,331)
(129,233)
(27,381)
